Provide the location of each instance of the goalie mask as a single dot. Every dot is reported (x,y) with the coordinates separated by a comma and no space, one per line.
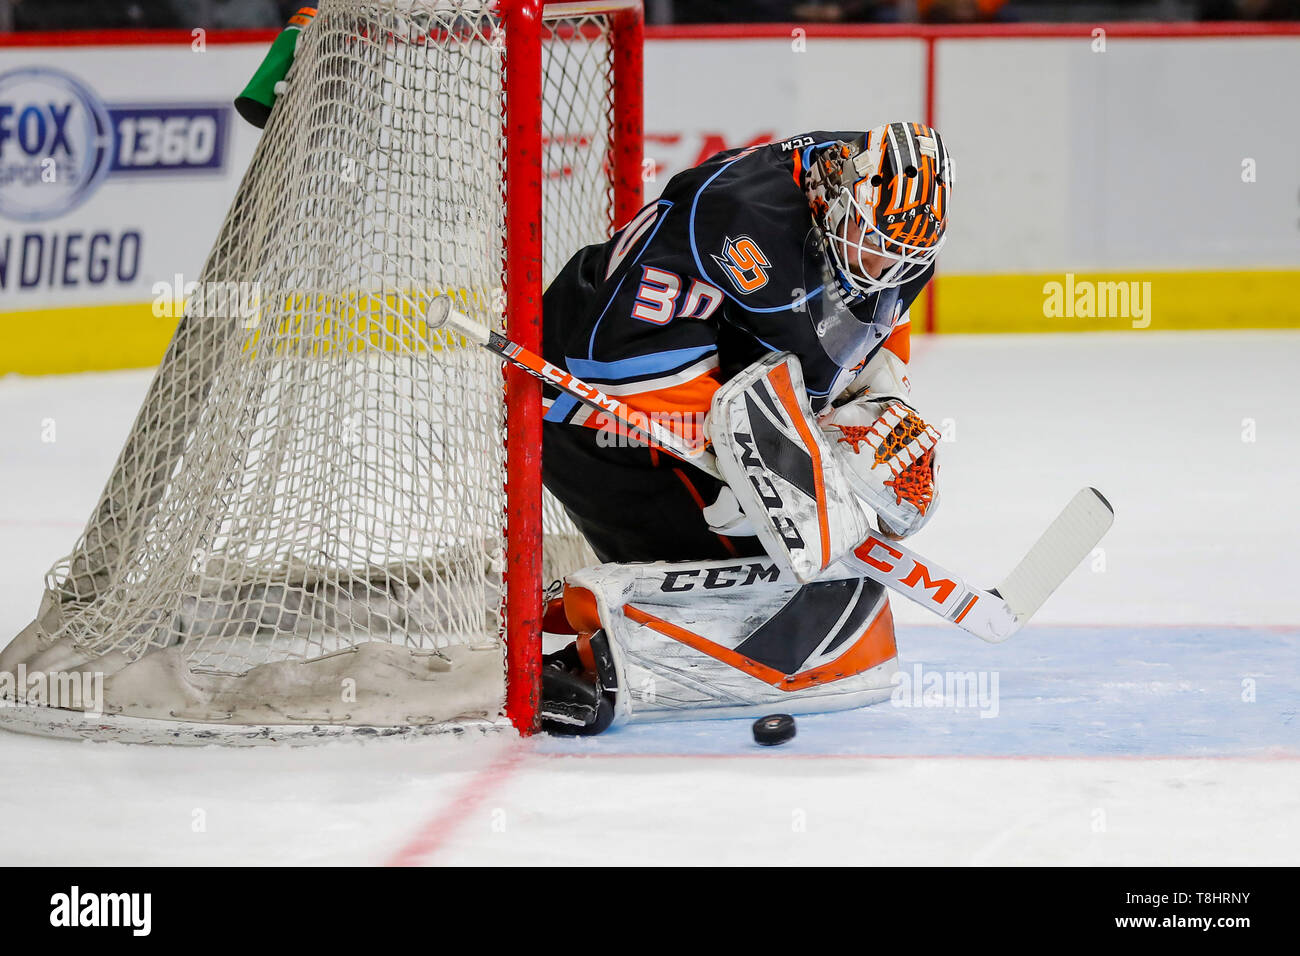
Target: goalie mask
(882,197)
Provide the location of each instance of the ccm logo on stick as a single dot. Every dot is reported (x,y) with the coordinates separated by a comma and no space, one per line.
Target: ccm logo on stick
(917,577)
(567,382)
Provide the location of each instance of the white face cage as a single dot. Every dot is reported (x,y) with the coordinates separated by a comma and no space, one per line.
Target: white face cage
(907,262)
(900,170)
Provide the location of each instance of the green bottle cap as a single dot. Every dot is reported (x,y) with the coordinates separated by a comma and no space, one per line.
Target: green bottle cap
(255,102)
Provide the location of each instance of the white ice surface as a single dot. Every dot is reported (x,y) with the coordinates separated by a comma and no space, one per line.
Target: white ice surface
(1149,715)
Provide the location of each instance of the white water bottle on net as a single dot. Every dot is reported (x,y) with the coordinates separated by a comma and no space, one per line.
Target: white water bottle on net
(326,516)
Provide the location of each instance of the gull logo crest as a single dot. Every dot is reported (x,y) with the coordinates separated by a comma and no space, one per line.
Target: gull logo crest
(744,263)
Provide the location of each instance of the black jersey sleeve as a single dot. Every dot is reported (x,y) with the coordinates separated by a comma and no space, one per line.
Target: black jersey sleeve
(752,236)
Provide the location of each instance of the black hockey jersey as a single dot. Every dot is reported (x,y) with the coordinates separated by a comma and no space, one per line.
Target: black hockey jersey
(726,265)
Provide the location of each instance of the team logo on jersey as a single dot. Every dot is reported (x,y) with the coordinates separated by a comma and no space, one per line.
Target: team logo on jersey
(745,263)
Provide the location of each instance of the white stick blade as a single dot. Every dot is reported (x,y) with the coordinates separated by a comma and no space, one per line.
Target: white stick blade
(443,313)
(1067,541)
(438,312)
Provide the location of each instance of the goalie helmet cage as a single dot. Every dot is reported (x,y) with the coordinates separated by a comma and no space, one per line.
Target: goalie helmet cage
(327,518)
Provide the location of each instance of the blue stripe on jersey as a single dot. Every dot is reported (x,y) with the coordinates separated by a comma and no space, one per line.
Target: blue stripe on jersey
(767,345)
(561,408)
(664,205)
(591,342)
(695,252)
(656,363)
(808,151)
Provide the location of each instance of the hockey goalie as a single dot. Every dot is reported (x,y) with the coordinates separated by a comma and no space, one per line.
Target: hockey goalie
(760,305)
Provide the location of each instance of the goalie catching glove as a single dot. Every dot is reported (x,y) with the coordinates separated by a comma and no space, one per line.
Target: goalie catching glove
(888,452)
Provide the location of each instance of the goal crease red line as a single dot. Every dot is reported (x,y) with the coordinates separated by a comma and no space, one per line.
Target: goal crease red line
(435,833)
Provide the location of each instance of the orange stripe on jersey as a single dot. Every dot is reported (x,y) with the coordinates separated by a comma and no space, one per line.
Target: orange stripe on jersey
(680,408)
(900,342)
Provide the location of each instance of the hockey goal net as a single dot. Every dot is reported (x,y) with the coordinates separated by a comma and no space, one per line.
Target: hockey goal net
(326,516)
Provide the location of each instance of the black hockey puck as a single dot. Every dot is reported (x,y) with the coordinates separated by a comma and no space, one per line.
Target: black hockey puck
(773,729)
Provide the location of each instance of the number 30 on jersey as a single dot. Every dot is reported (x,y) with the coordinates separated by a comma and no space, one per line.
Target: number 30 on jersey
(658,294)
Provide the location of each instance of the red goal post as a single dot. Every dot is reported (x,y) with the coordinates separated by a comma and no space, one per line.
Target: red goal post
(526,30)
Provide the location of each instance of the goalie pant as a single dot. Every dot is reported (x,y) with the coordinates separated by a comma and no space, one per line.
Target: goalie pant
(735,638)
(634,503)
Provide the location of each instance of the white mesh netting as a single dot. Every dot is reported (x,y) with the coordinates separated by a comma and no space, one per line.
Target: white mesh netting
(306,521)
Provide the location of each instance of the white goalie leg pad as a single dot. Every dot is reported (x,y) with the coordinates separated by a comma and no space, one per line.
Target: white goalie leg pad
(777,462)
(736,638)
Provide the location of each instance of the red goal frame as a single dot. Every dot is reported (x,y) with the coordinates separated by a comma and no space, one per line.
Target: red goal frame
(524,31)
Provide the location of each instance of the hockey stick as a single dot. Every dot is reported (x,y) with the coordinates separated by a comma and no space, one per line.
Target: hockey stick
(641,426)
(992,615)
